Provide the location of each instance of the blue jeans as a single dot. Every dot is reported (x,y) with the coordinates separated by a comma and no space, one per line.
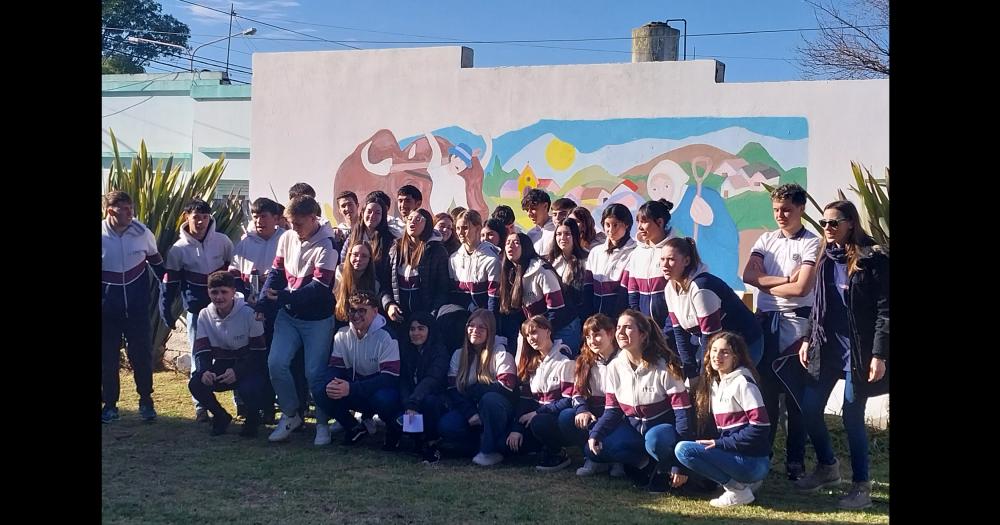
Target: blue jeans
(625,445)
(571,435)
(192,326)
(721,466)
(384,402)
(571,336)
(854,426)
(291,334)
(815,394)
(546,429)
(495,413)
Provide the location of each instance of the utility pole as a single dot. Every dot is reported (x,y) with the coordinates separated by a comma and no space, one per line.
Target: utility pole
(232,13)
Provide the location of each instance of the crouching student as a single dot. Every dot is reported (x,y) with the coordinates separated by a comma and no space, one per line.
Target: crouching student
(738,459)
(423,378)
(363,372)
(598,350)
(481,381)
(645,385)
(231,354)
(545,376)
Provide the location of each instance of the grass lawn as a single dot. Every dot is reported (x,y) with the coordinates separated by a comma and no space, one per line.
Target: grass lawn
(172,471)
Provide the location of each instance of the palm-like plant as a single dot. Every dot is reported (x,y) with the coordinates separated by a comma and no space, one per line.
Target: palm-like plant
(159,194)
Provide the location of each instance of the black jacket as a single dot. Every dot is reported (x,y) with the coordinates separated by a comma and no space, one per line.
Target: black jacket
(868,317)
(434,279)
(422,372)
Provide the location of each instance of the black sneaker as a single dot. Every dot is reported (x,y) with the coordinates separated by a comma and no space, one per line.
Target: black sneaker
(640,476)
(250,427)
(392,436)
(431,455)
(552,462)
(146,410)
(220,423)
(659,483)
(795,471)
(201,416)
(109,414)
(355,434)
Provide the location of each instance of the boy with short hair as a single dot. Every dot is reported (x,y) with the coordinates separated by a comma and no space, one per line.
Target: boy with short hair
(537,203)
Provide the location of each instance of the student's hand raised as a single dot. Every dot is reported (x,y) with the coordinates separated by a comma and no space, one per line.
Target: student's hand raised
(594,446)
(514,441)
(474,420)
(583,420)
(526,419)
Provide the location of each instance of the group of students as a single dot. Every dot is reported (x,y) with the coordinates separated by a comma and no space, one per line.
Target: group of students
(627,348)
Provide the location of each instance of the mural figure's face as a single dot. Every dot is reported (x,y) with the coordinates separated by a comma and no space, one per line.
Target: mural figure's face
(415,225)
(787,214)
(614,228)
(836,227)
(468,233)
(673,263)
(564,239)
(359,257)
(264,223)
(445,228)
(649,231)
(406,204)
(513,249)
(660,186)
(348,210)
(490,236)
(372,215)
(456,165)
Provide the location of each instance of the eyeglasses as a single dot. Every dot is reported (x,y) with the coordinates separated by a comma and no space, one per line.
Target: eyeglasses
(357,311)
(832,223)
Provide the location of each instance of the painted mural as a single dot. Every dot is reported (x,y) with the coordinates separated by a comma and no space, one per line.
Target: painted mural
(712,169)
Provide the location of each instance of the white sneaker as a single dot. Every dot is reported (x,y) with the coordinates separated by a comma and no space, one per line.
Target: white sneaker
(370,426)
(591,467)
(487,460)
(322,435)
(617,470)
(285,427)
(733,496)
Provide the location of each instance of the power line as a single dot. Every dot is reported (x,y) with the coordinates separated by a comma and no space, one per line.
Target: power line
(272,25)
(185,69)
(147,99)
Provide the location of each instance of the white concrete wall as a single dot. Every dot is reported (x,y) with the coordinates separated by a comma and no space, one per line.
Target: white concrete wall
(311,109)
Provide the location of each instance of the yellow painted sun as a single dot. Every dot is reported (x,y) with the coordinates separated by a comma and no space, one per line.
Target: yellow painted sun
(559,154)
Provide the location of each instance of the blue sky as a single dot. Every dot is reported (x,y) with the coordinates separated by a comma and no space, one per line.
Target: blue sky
(387,23)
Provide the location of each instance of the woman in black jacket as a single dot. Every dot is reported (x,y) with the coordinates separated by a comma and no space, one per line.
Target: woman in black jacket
(418,267)
(850,341)
(423,376)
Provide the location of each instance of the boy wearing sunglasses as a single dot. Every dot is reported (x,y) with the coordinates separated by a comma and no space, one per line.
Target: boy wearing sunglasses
(782,266)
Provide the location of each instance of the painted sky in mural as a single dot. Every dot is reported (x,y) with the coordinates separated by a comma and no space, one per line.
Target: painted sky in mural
(712,169)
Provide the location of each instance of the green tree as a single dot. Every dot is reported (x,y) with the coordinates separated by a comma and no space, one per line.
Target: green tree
(121,19)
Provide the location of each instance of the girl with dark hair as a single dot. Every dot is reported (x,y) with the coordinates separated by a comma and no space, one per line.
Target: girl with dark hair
(728,396)
(569,260)
(373,228)
(494,232)
(589,236)
(418,265)
(422,380)
(850,341)
(545,376)
(702,304)
(607,263)
(481,381)
(444,225)
(529,286)
(645,385)
(645,282)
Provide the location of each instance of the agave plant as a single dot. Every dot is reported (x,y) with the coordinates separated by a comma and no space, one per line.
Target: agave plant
(874,207)
(159,194)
